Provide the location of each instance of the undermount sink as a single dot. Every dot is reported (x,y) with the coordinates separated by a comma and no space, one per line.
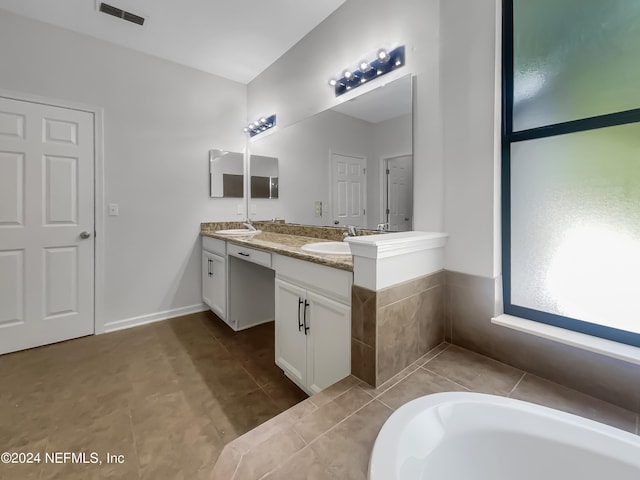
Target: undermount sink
(328,248)
(238,231)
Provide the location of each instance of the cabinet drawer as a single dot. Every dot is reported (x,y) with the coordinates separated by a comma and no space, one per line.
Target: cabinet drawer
(250,254)
(331,282)
(214,245)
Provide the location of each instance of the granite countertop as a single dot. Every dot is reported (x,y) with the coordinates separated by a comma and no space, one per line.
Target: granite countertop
(288,244)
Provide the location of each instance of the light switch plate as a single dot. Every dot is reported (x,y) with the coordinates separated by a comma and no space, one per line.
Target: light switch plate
(114,209)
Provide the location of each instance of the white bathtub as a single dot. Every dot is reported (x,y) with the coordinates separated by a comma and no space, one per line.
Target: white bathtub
(472,436)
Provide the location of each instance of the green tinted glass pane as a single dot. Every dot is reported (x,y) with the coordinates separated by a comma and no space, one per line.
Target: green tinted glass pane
(575,225)
(574,59)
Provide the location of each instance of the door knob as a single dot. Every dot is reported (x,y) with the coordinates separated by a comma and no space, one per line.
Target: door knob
(85,235)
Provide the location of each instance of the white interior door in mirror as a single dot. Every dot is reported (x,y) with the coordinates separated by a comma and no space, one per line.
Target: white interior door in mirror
(348,189)
(376,125)
(399,193)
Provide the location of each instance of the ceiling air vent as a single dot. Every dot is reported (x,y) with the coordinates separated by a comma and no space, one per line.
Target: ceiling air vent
(118,12)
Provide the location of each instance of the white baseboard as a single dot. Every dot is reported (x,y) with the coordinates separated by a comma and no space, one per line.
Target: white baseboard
(153,317)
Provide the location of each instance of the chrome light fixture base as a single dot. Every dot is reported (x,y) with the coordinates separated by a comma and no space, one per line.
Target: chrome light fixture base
(384,62)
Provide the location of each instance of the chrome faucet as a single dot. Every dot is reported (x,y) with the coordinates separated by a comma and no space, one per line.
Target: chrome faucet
(352,231)
(249,225)
(383,227)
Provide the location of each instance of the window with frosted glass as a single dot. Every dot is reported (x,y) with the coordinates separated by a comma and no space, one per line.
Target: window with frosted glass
(574,59)
(571,164)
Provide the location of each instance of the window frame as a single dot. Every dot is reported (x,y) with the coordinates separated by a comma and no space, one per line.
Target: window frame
(509,137)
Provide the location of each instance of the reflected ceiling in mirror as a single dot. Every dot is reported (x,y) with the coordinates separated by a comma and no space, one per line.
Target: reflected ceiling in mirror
(349,165)
(226,177)
(264,177)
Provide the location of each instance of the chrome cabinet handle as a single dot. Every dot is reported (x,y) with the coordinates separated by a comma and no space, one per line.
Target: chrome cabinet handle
(210,268)
(299,322)
(85,235)
(306,328)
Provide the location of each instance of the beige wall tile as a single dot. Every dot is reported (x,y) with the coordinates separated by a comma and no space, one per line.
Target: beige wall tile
(407,289)
(363,315)
(304,465)
(389,383)
(363,362)
(227,463)
(418,384)
(471,305)
(536,390)
(268,455)
(407,329)
(475,372)
(331,413)
(335,390)
(346,449)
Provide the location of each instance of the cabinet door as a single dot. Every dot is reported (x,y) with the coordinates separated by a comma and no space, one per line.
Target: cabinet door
(214,283)
(291,342)
(328,342)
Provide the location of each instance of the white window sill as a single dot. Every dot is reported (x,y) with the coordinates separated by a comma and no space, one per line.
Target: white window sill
(602,346)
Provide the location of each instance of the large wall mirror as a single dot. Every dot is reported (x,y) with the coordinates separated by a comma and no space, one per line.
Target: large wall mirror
(349,165)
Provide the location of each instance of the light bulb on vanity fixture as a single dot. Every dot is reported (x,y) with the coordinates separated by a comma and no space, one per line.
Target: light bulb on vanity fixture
(261,125)
(383,55)
(385,62)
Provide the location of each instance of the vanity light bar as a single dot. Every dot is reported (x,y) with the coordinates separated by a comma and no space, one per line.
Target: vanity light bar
(384,62)
(261,125)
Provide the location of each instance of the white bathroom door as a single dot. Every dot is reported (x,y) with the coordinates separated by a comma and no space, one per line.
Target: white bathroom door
(400,193)
(348,190)
(46,224)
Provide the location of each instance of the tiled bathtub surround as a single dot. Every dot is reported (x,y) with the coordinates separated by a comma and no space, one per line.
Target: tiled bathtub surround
(394,326)
(471,302)
(330,435)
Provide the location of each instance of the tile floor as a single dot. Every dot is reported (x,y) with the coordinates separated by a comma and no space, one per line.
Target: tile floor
(168,396)
(330,435)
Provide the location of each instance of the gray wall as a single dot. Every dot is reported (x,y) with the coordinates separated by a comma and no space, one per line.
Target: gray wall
(160,119)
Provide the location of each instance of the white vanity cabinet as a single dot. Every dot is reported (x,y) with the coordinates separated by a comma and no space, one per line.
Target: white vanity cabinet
(214,275)
(237,283)
(312,322)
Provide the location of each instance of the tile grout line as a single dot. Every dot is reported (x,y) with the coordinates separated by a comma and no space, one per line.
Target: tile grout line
(412,371)
(516,385)
(412,295)
(486,357)
(439,353)
(447,379)
(388,406)
(135,443)
(233,475)
(284,461)
(346,418)
(46,445)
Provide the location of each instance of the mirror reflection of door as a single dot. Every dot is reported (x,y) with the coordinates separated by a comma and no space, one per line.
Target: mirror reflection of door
(376,125)
(399,192)
(348,190)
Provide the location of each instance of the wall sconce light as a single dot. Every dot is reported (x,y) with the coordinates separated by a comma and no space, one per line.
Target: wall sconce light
(384,62)
(261,125)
